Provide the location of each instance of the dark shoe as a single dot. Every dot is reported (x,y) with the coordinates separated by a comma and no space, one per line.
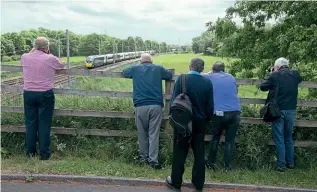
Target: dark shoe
(280,169)
(169,184)
(156,165)
(227,168)
(141,162)
(290,166)
(211,166)
(44,158)
(196,189)
(30,155)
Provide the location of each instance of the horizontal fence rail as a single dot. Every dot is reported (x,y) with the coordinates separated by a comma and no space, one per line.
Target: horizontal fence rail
(90,73)
(79,92)
(125,133)
(129,115)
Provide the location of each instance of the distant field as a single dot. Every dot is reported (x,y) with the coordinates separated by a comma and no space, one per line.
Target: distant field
(180,62)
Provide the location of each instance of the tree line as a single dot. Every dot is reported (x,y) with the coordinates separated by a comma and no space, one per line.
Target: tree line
(269,30)
(15,44)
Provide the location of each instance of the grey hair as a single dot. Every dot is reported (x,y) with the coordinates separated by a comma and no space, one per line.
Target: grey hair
(145,57)
(281,62)
(41,43)
(197,64)
(218,66)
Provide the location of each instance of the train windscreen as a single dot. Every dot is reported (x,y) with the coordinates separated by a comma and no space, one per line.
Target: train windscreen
(89,59)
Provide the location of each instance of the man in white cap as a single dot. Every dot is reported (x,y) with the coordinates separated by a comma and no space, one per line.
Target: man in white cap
(285,81)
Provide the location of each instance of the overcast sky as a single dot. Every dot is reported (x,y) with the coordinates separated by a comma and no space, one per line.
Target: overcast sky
(162,20)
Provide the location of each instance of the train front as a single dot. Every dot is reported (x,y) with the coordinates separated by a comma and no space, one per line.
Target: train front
(89,61)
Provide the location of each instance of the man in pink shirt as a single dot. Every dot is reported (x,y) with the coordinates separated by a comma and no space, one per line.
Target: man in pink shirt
(39,67)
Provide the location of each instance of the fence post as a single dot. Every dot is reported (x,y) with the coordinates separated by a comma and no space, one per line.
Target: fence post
(169,86)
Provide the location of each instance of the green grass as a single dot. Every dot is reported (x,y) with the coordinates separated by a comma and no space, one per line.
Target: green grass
(94,167)
(180,62)
(6,75)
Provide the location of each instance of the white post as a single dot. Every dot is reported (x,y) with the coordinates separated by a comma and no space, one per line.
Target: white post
(114,58)
(59,48)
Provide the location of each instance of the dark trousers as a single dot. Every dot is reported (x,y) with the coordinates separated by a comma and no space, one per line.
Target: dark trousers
(180,151)
(230,123)
(38,111)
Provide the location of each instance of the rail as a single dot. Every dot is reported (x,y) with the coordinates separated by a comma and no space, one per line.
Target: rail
(127,115)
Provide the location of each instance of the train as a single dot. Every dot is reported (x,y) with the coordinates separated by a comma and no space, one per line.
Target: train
(94,61)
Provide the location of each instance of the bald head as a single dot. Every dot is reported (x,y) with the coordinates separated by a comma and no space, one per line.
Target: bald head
(146,58)
(218,66)
(41,43)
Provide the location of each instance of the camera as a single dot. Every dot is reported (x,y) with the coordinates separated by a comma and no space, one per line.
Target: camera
(270,69)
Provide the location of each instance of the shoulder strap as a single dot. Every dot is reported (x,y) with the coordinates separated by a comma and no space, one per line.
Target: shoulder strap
(183,77)
(277,88)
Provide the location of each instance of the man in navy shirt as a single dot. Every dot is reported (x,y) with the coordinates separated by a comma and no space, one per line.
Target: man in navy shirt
(148,102)
(286,80)
(200,93)
(227,113)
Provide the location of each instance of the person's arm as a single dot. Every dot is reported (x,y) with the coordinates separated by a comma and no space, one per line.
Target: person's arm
(267,84)
(235,82)
(56,63)
(166,74)
(300,79)
(127,72)
(22,59)
(205,75)
(210,102)
(32,50)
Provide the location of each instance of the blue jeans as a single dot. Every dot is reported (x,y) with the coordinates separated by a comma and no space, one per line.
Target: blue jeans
(282,130)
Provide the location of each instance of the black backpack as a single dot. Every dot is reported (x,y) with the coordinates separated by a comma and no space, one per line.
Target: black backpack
(180,115)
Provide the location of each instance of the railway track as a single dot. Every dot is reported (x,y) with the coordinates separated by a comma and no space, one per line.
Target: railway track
(58,80)
(61,79)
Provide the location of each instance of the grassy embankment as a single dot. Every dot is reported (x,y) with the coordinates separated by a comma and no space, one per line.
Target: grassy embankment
(113,157)
(74,61)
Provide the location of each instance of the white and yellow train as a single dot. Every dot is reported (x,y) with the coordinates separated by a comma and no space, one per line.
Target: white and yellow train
(94,61)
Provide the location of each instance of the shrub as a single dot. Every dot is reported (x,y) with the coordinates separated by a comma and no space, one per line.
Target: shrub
(16,57)
(6,58)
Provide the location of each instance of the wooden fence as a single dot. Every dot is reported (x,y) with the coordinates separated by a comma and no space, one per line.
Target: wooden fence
(112,114)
